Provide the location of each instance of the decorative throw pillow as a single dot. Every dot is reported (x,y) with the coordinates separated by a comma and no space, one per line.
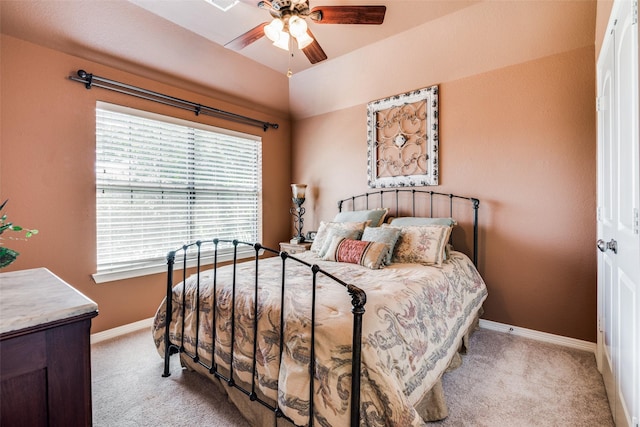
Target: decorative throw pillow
(376,216)
(422,244)
(386,235)
(326,227)
(415,220)
(367,254)
(344,233)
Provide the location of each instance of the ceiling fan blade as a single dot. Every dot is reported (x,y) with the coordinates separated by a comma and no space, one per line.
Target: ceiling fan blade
(247,38)
(314,52)
(373,15)
(252,2)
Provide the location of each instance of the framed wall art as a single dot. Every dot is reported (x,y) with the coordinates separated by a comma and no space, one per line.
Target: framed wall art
(402,135)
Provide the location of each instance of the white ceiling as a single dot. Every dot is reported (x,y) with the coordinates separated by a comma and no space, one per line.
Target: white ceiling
(101,25)
(221,27)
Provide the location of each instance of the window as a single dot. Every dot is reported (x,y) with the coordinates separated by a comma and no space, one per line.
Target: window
(163,182)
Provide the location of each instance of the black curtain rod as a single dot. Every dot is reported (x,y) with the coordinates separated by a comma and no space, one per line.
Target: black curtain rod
(90,81)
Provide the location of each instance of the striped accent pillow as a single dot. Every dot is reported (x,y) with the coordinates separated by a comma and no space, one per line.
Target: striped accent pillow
(367,254)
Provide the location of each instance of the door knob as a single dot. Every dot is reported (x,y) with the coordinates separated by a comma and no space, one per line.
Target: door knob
(601,245)
(611,245)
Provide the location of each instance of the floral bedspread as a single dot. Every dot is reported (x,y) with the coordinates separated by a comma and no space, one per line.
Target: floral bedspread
(415,318)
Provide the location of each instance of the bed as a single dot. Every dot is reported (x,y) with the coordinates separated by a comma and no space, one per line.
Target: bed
(399,317)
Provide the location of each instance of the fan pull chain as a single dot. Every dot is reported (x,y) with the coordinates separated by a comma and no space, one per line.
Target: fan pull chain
(289,72)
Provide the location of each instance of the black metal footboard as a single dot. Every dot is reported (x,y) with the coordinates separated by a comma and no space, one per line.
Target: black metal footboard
(358,301)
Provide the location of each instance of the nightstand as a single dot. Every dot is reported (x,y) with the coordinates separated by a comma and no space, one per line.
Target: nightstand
(294,248)
(45,353)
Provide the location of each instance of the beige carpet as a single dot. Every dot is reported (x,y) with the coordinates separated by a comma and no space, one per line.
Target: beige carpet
(505,380)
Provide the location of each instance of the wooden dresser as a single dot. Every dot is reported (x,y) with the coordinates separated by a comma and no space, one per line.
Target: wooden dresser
(45,363)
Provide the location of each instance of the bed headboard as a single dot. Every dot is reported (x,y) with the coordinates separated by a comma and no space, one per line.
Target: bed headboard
(425,203)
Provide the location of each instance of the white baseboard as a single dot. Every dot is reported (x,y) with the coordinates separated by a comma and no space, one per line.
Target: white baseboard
(121,330)
(486,324)
(539,336)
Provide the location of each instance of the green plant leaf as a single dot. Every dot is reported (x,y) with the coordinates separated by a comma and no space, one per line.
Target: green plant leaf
(7,256)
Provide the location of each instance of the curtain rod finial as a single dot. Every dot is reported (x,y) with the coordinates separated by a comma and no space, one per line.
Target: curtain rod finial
(86,76)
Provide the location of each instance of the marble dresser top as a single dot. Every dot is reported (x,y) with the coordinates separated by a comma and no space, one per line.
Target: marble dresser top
(37,296)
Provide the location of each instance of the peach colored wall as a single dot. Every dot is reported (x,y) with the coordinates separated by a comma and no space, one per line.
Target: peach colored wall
(47,170)
(147,44)
(522,139)
(484,36)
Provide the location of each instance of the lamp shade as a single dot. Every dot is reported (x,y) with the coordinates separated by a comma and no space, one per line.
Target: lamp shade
(297,26)
(304,40)
(283,41)
(298,190)
(273,30)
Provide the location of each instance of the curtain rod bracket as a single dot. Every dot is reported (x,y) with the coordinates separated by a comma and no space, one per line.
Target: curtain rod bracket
(198,108)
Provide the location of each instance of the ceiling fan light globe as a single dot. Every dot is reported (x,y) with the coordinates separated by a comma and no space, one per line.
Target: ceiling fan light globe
(297,26)
(304,40)
(274,29)
(283,41)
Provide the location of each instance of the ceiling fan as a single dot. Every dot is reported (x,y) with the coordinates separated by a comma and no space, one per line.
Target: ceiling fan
(289,22)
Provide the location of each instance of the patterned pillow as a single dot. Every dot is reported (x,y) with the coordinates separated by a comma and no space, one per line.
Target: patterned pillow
(344,233)
(367,254)
(376,216)
(422,244)
(326,227)
(384,234)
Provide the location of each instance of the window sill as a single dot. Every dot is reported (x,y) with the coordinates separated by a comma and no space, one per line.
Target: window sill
(129,273)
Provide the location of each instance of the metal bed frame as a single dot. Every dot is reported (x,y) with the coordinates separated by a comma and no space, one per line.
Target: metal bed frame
(475,204)
(358,301)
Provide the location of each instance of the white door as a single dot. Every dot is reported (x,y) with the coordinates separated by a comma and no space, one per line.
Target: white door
(618,222)
(627,227)
(606,215)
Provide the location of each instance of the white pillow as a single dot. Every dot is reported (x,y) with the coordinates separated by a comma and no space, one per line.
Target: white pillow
(326,227)
(376,216)
(422,244)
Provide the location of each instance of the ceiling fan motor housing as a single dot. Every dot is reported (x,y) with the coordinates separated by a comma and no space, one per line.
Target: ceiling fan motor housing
(280,8)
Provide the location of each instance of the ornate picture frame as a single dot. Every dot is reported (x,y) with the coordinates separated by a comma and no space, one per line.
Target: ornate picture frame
(402,136)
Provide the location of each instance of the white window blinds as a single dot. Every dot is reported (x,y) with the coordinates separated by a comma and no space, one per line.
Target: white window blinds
(162,182)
